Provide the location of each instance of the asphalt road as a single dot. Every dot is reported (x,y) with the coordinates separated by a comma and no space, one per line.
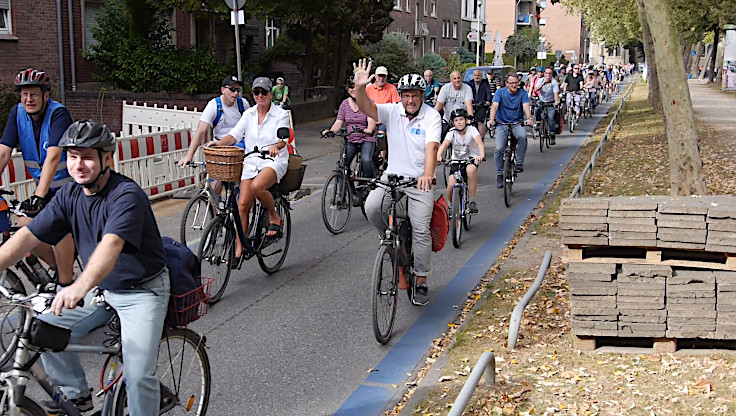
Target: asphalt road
(300,342)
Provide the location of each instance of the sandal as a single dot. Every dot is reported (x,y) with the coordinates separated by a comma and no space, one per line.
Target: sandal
(276,228)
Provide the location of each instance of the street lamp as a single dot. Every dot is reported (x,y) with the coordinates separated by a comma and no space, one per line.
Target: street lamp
(542,48)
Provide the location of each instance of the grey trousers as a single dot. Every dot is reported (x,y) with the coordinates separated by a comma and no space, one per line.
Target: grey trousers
(420,206)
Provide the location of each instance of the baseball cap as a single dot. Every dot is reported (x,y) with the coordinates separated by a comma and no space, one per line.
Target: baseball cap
(231,80)
(381,70)
(262,82)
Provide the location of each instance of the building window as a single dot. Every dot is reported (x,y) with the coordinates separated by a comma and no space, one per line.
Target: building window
(445,29)
(468,9)
(433,7)
(5,27)
(92,9)
(425,9)
(432,44)
(454,30)
(408,6)
(397,4)
(272,33)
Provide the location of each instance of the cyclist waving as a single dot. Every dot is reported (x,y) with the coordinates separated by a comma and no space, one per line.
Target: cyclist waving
(414,136)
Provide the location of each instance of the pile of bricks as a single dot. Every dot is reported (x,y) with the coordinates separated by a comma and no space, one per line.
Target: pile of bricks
(691,304)
(725,304)
(584,221)
(721,229)
(681,224)
(632,223)
(593,298)
(641,300)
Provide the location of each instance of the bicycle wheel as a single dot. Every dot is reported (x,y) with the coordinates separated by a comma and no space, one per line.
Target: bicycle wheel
(541,136)
(384,295)
(216,252)
(508,178)
(197,213)
(272,251)
(12,319)
(445,170)
(25,406)
(183,369)
(337,201)
(456,225)
(573,121)
(468,215)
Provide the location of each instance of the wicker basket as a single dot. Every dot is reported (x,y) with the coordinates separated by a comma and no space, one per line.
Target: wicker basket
(224,163)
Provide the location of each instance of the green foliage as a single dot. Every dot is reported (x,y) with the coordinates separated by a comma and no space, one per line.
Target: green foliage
(466,66)
(523,45)
(285,49)
(454,64)
(8,98)
(466,56)
(394,51)
(433,62)
(151,64)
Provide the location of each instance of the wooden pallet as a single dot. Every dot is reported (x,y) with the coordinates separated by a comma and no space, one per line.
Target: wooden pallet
(648,255)
(657,345)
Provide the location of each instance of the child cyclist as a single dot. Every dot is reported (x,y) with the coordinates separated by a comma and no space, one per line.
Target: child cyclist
(466,143)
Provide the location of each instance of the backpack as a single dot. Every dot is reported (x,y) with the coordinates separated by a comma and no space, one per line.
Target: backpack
(439,225)
(218,100)
(187,292)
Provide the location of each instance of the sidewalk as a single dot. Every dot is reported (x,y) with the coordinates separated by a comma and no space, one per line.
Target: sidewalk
(714,107)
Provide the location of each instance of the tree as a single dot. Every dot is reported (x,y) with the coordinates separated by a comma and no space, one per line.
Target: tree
(435,63)
(686,170)
(394,52)
(523,45)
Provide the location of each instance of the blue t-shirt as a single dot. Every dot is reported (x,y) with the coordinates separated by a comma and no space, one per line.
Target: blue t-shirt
(120,208)
(510,106)
(60,121)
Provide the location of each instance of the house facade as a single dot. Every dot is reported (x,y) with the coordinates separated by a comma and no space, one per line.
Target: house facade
(431,25)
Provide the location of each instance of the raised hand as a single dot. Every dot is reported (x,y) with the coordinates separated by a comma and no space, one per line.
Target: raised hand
(362,73)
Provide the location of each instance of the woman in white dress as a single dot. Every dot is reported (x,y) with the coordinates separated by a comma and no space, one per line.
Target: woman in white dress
(258,127)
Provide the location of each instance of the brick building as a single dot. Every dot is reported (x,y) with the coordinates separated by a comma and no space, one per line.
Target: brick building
(431,25)
(565,32)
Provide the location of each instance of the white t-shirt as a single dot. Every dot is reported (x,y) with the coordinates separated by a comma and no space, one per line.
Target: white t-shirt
(263,136)
(407,139)
(453,99)
(228,120)
(464,146)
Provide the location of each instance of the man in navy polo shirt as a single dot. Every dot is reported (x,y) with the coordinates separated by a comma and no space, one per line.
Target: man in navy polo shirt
(115,231)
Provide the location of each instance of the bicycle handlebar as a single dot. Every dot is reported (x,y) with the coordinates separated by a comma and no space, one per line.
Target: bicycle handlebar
(194,164)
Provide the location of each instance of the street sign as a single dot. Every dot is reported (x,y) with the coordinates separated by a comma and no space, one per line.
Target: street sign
(235,4)
(542,55)
(693,53)
(473,36)
(558,54)
(241,17)
(487,37)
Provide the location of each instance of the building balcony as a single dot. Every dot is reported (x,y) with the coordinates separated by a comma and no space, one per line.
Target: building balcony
(524,19)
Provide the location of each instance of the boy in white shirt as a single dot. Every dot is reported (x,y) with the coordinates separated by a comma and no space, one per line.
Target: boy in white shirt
(466,143)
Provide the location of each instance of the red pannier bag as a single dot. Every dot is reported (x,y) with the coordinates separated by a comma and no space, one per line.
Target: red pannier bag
(559,120)
(439,226)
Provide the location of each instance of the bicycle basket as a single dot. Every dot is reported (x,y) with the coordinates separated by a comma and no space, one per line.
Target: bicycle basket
(187,308)
(224,163)
(292,180)
(47,336)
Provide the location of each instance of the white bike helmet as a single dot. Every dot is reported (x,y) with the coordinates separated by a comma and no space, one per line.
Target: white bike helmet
(412,82)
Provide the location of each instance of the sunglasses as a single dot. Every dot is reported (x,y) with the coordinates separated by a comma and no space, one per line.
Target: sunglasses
(259,91)
(233,89)
(381,75)
(351,86)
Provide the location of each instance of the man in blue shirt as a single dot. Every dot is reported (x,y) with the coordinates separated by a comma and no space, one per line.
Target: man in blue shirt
(510,105)
(35,125)
(114,228)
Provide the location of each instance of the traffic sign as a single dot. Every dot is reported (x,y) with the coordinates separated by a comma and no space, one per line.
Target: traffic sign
(487,37)
(235,4)
(542,55)
(693,53)
(473,36)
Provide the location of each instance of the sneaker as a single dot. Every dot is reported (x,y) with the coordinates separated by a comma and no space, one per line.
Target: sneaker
(499,181)
(519,168)
(552,141)
(420,294)
(473,208)
(83,404)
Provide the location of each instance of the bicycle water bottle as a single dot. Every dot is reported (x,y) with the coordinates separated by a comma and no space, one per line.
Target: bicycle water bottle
(40,276)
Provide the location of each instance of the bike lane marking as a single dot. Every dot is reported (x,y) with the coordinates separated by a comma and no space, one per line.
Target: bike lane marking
(387,378)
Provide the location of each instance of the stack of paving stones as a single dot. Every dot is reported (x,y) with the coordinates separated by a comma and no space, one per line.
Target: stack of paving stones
(721,229)
(691,304)
(584,221)
(593,298)
(725,304)
(681,223)
(641,300)
(632,222)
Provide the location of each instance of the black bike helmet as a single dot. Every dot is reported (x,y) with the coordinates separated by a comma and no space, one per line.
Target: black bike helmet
(350,81)
(32,78)
(88,133)
(411,82)
(458,112)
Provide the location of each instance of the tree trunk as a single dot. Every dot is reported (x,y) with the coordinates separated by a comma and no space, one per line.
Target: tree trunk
(709,49)
(307,71)
(649,59)
(719,63)
(325,58)
(716,35)
(686,55)
(696,60)
(686,169)
(337,51)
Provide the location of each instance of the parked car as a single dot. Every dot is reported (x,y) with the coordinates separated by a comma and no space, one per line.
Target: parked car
(499,70)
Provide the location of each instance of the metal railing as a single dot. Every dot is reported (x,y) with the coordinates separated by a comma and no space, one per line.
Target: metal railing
(486,365)
(577,192)
(515,322)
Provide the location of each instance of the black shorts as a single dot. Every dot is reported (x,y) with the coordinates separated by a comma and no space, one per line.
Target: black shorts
(455,166)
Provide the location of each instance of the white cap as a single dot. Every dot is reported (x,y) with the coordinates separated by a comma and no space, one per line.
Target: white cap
(381,70)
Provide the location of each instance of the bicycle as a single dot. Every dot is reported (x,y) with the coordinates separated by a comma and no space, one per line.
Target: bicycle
(394,257)
(216,251)
(200,209)
(509,162)
(544,134)
(572,117)
(460,214)
(181,354)
(342,191)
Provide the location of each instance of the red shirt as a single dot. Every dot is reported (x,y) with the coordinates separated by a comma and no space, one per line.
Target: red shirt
(386,95)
